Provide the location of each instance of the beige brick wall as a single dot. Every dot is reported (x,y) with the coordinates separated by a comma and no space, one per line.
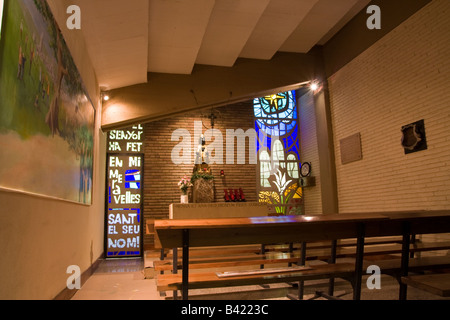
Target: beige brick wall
(312,196)
(402,78)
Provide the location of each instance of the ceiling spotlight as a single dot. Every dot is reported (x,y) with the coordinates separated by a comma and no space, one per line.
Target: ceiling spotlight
(105,97)
(314,86)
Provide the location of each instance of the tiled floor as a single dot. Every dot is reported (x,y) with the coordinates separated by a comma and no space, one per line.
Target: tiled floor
(119,279)
(123,279)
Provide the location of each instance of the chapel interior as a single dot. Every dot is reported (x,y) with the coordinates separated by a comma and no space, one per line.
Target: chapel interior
(261,113)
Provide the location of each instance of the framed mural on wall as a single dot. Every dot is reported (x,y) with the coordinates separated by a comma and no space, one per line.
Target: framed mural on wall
(47,119)
(1,16)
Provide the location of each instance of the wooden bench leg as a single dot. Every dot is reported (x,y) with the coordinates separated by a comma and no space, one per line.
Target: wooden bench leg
(413,241)
(261,266)
(291,249)
(359,262)
(320,294)
(405,260)
(162,258)
(332,260)
(263,252)
(185,271)
(301,284)
(175,269)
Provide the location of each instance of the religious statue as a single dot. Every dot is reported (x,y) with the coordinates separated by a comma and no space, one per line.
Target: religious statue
(202,157)
(202,177)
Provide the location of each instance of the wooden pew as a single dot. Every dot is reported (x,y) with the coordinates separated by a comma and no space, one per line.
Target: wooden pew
(375,252)
(222,232)
(284,254)
(379,248)
(438,284)
(415,223)
(258,277)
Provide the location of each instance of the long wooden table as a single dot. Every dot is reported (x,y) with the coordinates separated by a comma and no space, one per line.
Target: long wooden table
(188,233)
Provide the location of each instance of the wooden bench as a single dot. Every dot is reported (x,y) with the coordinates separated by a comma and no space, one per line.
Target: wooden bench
(256,249)
(435,283)
(213,280)
(287,255)
(438,283)
(416,223)
(375,249)
(219,232)
(287,229)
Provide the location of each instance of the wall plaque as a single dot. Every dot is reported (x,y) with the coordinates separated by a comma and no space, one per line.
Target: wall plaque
(351,148)
(413,137)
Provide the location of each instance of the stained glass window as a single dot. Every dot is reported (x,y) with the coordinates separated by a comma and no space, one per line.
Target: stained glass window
(265,169)
(278,153)
(276,124)
(292,166)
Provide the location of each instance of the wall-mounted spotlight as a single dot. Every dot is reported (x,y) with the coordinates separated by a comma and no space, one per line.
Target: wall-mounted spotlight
(104,96)
(315,86)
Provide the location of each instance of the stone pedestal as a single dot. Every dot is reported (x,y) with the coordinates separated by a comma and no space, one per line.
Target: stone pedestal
(218,210)
(203,191)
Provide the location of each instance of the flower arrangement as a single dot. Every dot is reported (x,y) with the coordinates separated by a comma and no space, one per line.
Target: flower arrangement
(201,175)
(184,184)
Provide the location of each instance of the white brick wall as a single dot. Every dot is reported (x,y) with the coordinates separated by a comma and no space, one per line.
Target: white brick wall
(403,78)
(312,196)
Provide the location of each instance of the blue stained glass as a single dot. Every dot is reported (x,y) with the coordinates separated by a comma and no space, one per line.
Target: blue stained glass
(273,112)
(276,120)
(276,115)
(291,142)
(274,103)
(266,139)
(132,175)
(288,114)
(257,110)
(132,185)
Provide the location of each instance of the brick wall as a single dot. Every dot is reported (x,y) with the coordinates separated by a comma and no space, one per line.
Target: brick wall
(309,152)
(402,78)
(161,175)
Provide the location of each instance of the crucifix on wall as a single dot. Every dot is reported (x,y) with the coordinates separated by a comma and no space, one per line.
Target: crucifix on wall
(212,117)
